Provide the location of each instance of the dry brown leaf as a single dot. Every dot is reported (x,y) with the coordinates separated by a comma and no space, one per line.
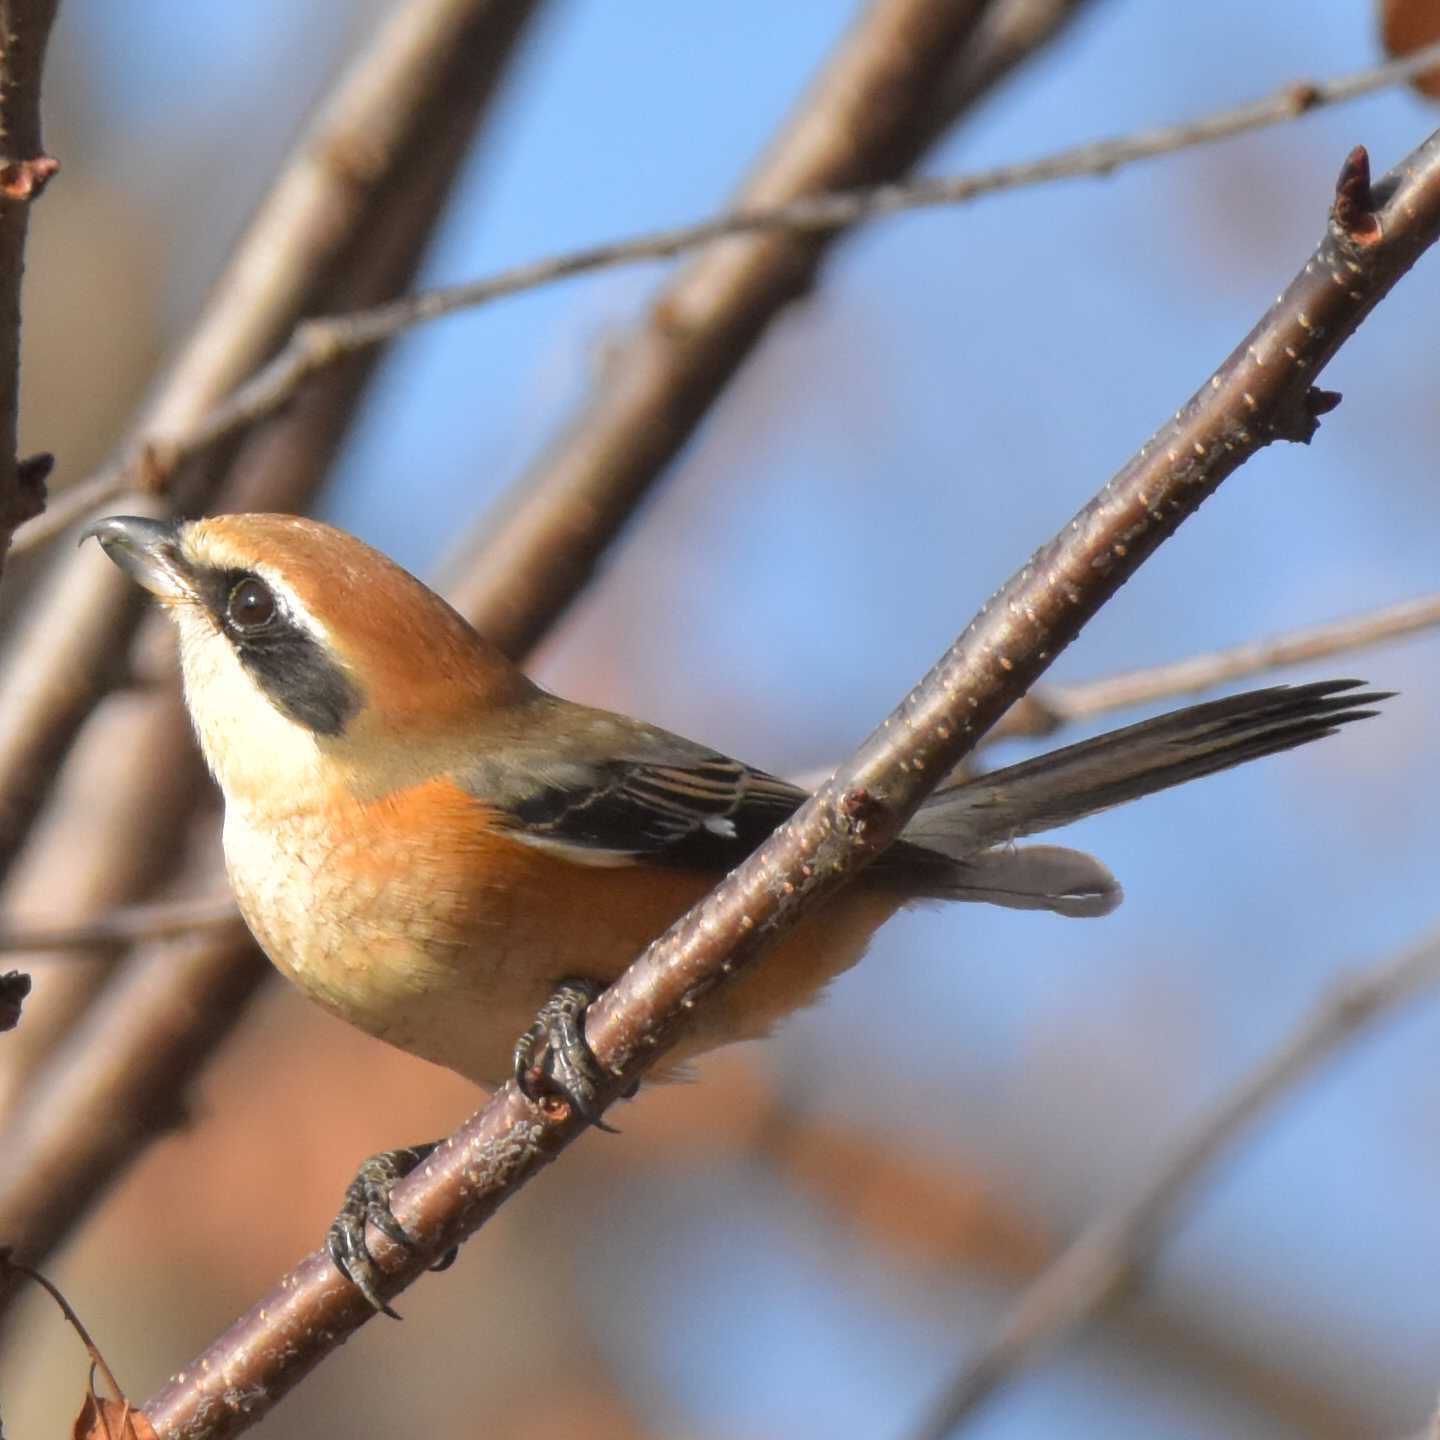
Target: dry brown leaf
(102,1419)
(99,1419)
(1405,26)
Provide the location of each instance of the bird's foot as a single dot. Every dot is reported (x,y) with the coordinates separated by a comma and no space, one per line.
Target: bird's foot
(553,1058)
(367,1201)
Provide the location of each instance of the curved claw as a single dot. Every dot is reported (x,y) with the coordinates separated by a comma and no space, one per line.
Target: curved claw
(367,1201)
(553,1057)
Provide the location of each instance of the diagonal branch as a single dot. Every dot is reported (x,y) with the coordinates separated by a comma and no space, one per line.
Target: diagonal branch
(1043,711)
(868,117)
(147,800)
(25,169)
(94,1071)
(1263,392)
(1109,1257)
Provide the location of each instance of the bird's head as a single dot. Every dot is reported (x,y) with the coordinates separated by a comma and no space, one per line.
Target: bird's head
(309,658)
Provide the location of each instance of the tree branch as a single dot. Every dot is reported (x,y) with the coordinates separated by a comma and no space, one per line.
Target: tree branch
(369,128)
(1042,712)
(179,998)
(278,468)
(1110,1256)
(148,1059)
(868,117)
(1263,392)
(25,169)
(127,925)
(1048,708)
(321,343)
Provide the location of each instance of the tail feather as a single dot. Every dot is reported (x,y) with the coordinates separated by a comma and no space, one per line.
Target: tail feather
(1033,877)
(963,821)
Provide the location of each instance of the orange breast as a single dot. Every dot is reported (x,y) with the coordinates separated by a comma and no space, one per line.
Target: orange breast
(417,919)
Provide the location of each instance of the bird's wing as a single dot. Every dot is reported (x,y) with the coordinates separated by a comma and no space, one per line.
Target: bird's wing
(673,803)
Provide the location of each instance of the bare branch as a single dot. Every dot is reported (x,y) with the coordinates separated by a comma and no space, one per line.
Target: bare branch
(1048,707)
(1262,392)
(179,999)
(129,925)
(277,468)
(77,624)
(25,169)
(1012,33)
(319,344)
(1109,1258)
(868,117)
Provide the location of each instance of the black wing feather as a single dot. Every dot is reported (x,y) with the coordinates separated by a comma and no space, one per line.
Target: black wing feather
(709,812)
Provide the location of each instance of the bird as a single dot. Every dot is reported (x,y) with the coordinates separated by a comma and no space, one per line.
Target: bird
(439,851)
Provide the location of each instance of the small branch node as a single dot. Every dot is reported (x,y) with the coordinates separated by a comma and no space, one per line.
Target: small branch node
(1353,212)
(155,467)
(30,476)
(23,180)
(14,987)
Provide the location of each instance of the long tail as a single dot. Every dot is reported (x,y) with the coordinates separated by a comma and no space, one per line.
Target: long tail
(963,822)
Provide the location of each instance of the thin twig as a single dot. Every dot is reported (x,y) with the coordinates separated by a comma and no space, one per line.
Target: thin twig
(1049,707)
(1263,392)
(25,169)
(1110,1256)
(128,925)
(320,343)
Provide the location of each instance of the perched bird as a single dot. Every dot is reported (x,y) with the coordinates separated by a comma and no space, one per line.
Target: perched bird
(428,843)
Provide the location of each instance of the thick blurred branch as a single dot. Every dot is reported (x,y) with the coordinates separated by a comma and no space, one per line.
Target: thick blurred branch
(1264,391)
(24,170)
(1012,33)
(372,126)
(178,998)
(128,925)
(321,343)
(908,1204)
(1109,1258)
(868,117)
(279,468)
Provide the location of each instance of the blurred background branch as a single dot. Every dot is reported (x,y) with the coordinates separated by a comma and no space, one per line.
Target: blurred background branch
(439,68)
(321,343)
(25,169)
(1103,1264)
(1051,707)
(881,450)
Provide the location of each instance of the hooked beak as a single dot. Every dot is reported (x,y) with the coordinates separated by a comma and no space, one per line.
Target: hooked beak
(148,551)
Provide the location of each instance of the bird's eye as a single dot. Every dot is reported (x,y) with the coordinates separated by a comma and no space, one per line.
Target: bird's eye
(251,605)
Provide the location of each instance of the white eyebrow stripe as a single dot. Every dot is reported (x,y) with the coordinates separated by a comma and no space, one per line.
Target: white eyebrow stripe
(295,611)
